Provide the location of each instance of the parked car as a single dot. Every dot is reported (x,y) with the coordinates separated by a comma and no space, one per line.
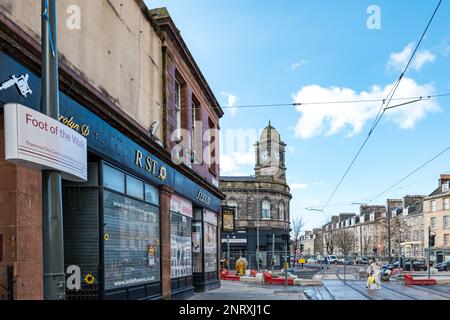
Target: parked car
(443,266)
(349,262)
(361,261)
(312,260)
(332,259)
(411,265)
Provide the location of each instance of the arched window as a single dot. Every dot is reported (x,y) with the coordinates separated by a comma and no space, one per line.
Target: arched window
(234,204)
(266,209)
(281,211)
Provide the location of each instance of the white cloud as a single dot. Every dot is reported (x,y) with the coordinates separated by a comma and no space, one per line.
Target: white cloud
(329,119)
(297,65)
(398,60)
(232,163)
(298,186)
(232,100)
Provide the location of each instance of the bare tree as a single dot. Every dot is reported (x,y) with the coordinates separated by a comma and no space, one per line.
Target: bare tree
(345,240)
(296,233)
(330,242)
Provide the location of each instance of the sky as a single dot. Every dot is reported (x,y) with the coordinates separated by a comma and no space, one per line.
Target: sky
(280,52)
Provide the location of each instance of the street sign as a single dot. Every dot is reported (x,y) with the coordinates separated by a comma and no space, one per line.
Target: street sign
(36,140)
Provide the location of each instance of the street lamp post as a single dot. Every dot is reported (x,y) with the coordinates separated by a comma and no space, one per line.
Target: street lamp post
(52,215)
(257,227)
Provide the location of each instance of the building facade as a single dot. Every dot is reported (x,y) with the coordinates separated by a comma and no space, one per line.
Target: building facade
(261,204)
(436,209)
(144,225)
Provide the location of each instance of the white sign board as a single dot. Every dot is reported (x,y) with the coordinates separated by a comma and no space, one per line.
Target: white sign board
(180,205)
(36,140)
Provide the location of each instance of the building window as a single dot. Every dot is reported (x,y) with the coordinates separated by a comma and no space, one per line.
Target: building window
(178,107)
(132,252)
(266,210)
(135,188)
(416,235)
(433,206)
(234,204)
(446,239)
(445,222)
(213,145)
(194,143)
(281,213)
(433,223)
(113,179)
(446,204)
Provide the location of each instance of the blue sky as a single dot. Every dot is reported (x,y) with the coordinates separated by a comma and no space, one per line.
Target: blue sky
(264,52)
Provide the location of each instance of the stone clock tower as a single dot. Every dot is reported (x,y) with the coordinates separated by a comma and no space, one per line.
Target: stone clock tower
(270,156)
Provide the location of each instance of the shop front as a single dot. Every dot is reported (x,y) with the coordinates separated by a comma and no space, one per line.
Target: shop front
(115,223)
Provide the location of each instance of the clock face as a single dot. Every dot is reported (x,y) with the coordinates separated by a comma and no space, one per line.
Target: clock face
(265,156)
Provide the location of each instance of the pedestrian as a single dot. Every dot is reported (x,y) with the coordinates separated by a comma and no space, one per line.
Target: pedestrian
(377,275)
(325,262)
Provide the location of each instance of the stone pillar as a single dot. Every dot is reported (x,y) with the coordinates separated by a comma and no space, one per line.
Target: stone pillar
(164,201)
(21,226)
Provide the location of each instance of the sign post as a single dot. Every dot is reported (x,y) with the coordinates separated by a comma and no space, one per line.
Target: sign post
(53,246)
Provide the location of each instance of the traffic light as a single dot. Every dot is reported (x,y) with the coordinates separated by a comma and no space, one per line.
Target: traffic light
(302,247)
(432,240)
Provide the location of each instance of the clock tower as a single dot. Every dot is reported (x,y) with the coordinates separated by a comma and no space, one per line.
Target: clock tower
(270,156)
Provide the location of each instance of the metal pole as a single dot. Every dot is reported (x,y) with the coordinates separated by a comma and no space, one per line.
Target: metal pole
(389,235)
(228,251)
(257,227)
(399,251)
(429,252)
(53,241)
(273,250)
(285,262)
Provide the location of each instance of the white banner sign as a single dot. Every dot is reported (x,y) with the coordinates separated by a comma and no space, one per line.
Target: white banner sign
(36,140)
(180,205)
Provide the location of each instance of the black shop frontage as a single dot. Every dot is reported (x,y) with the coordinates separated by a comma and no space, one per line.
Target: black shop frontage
(139,226)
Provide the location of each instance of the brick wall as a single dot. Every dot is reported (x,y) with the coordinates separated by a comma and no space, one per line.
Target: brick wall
(21,225)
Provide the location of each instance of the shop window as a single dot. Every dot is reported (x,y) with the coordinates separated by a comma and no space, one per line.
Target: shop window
(131,242)
(135,188)
(210,239)
(197,246)
(113,179)
(151,194)
(266,210)
(180,245)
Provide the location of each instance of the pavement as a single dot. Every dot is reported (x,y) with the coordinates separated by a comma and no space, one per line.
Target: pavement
(234,290)
(334,288)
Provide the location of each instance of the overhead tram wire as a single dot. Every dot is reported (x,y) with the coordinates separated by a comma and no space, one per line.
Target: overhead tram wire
(410,174)
(383,108)
(296,104)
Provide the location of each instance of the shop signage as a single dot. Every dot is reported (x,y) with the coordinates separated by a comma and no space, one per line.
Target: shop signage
(228,214)
(21,83)
(34,139)
(83,129)
(235,241)
(152,166)
(181,206)
(210,217)
(203,198)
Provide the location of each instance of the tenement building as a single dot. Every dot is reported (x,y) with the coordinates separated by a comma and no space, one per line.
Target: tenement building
(436,208)
(261,205)
(145,223)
